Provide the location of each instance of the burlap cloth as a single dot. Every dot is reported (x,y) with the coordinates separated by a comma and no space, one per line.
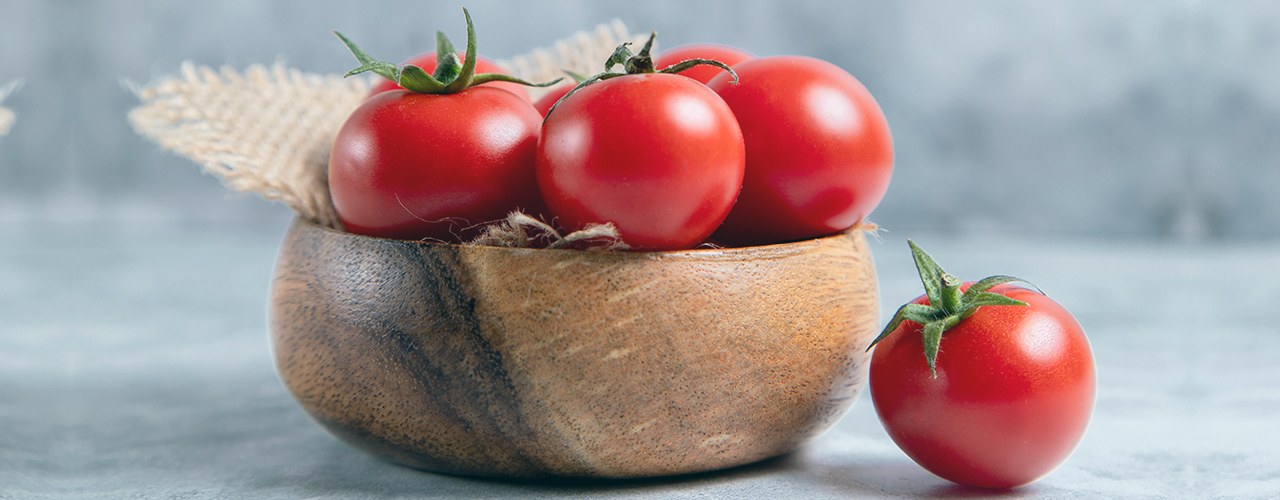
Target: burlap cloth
(6,116)
(6,120)
(269,130)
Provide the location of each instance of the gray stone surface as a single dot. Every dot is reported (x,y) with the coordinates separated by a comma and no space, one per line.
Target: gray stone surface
(134,363)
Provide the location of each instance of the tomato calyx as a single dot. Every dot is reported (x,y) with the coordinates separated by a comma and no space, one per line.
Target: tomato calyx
(948,305)
(637,64)
(451,75)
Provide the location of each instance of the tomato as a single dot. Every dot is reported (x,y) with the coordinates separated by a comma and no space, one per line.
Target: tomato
(437,159)
(427,61)
(544,103)
(1012,398)
(411,166)
(723,53)
(658,155)
(819,153)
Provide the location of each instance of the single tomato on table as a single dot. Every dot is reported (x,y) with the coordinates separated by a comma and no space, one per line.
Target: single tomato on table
(819,153)
(711,51)
(438,159)
(985,384)
(658,155)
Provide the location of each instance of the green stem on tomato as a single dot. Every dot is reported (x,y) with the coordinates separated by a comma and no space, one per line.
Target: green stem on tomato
(642,62)
(636,64)
(451,75)
(444,47)
(951,293)
(947,306)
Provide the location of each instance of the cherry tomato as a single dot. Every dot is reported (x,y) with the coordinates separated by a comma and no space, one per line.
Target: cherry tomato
(723,53)
(427,61)
(819,153)
(1013,395)
(412,166)
(544,103)
(658,155)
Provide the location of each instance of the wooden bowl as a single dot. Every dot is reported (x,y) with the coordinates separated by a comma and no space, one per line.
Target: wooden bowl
(524,363)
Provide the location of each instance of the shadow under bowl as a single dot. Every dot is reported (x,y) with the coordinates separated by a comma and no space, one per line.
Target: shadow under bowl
(526,363)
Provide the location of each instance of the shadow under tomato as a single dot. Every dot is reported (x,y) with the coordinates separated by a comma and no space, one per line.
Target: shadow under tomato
(333,469)
(896,478)
(961,491)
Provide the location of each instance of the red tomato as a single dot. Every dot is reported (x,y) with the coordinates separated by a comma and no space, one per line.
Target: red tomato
(723,53)
(658,155)
(819,153)
(427,62)
(412,166)
(1013,395)
(544,103)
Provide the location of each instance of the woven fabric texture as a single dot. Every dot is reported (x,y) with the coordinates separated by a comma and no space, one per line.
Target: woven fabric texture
(6,117)
(270,130)
(265,131)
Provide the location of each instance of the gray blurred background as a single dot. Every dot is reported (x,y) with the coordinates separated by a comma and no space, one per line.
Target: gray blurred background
(1079,118)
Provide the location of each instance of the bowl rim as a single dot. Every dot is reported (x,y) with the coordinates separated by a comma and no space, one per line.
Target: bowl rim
(784,247)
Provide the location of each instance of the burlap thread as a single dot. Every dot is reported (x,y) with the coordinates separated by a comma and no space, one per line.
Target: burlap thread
(520,230)
(7,117)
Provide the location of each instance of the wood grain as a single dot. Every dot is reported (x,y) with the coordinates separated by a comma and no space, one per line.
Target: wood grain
(527,363)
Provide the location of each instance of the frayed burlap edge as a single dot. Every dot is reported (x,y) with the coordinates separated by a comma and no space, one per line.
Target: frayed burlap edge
(7,117)
(266,131)
(6,120)
(270,130)
(520,230)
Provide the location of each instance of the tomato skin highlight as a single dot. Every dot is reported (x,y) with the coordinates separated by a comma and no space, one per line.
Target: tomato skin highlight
(427,61)
(411,166)
(819,151)
(658,155)
(702,73)
(1013,397)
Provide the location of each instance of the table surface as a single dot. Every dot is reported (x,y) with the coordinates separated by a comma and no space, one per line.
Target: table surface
(134,363)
